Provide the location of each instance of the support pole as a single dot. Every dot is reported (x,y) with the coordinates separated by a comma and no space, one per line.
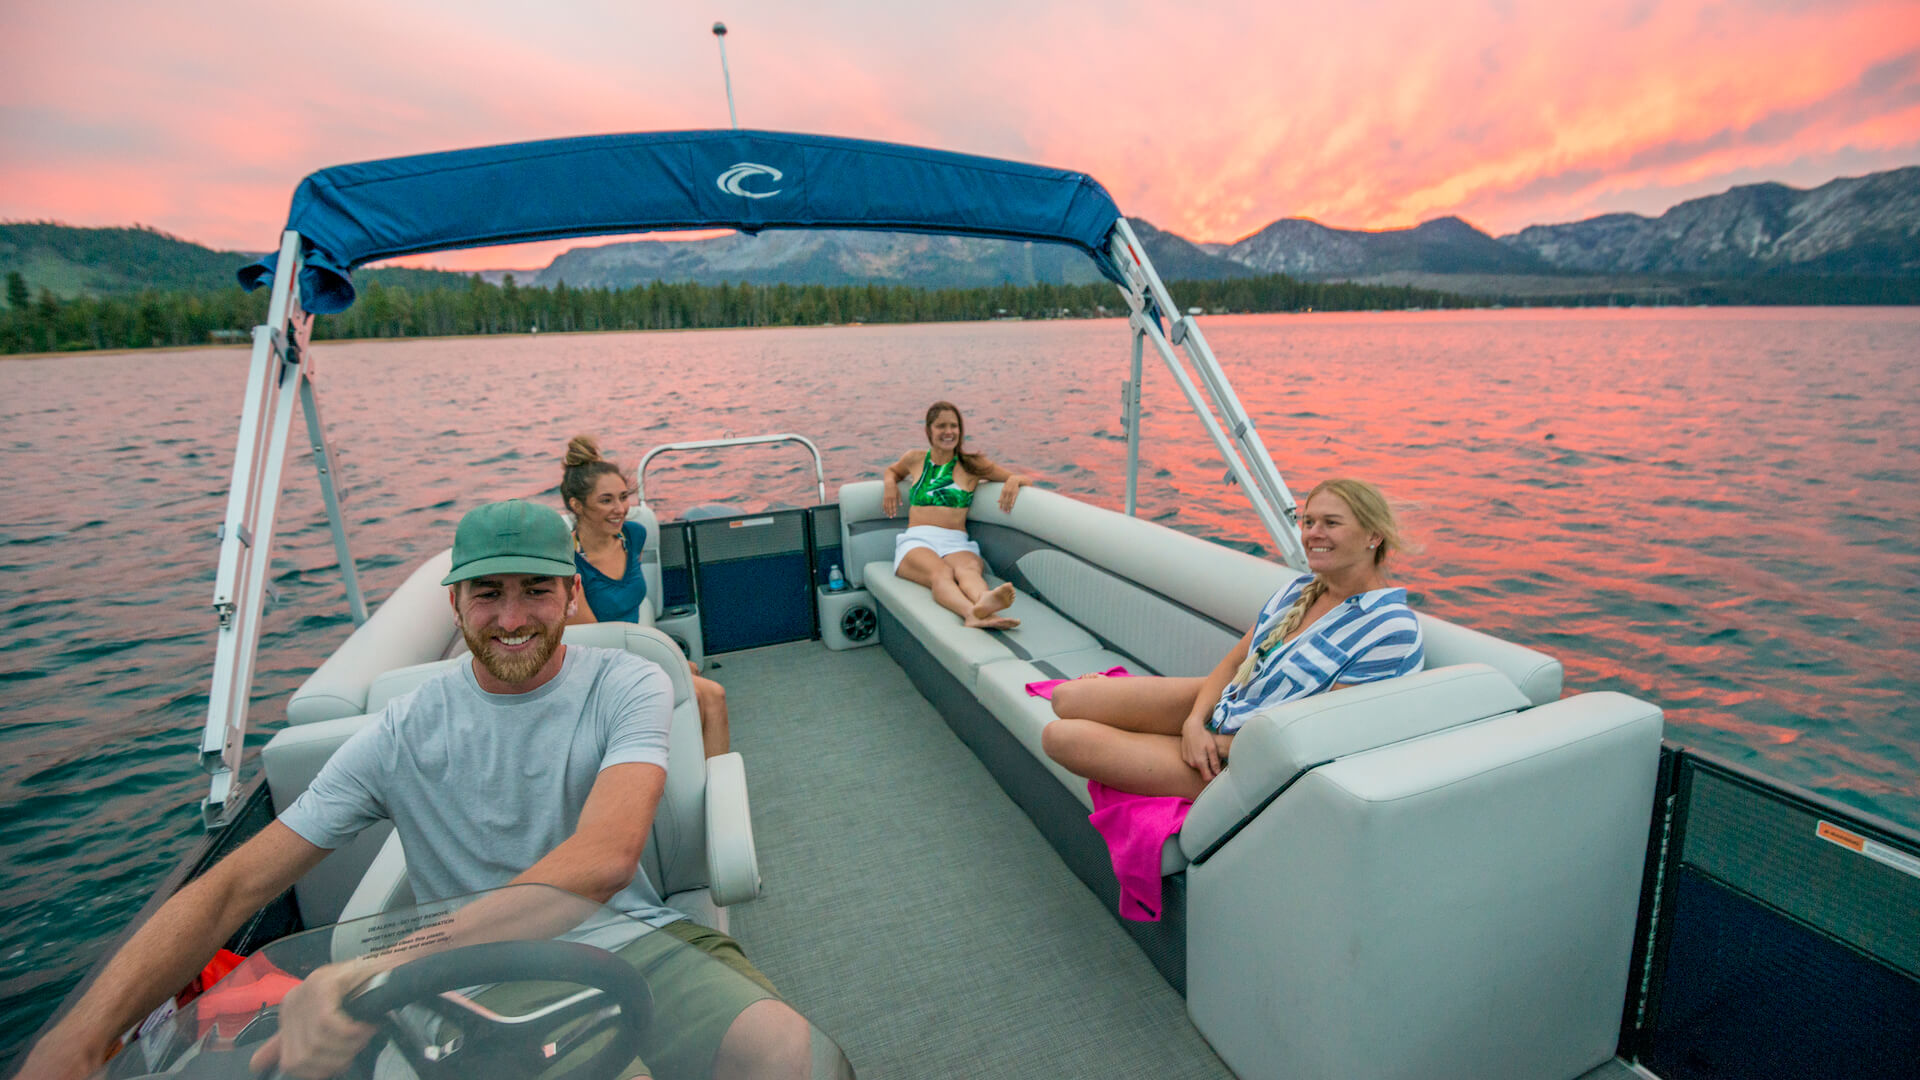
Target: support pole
(246,535)
(323,460)
(1221,413)
(1131,419)
(720,34)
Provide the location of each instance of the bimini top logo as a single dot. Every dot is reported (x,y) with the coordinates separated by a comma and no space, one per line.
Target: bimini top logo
(734,180)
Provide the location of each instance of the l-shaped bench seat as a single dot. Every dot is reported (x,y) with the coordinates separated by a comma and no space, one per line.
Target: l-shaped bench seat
(1369,859)
(1099,590)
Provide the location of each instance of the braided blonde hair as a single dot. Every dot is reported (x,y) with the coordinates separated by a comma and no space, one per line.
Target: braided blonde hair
(1372,513)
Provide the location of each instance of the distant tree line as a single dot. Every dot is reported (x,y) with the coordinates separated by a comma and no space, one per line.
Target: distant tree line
(45,323)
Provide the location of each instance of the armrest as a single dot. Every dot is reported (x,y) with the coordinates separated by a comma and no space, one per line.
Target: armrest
(733,868)
(866,534)
(1277,744)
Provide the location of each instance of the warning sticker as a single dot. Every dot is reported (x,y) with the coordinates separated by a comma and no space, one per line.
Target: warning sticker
(1878,852)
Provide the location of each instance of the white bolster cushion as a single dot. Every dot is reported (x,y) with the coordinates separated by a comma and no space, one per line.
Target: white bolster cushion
(859,504)
(732,864)
(1276,743)
(1537,675)
(413,626)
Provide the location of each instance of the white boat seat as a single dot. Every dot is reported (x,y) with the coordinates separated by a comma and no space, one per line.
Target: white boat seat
(1494,864)
(701,849)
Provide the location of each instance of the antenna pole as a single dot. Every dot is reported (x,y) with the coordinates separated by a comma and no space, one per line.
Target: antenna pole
(720,32)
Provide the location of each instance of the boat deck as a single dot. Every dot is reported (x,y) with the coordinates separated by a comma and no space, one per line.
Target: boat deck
(910,908)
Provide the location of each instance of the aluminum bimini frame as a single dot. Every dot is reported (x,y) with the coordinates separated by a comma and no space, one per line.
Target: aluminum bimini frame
(280,374)
(282,371)
(1231,430)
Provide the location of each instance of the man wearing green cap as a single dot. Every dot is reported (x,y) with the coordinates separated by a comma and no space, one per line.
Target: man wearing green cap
(537,762)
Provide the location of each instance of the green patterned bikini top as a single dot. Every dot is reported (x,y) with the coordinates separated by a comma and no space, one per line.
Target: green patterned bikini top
(936,488)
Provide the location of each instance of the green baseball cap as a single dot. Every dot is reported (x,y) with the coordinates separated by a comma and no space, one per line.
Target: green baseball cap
(512,537)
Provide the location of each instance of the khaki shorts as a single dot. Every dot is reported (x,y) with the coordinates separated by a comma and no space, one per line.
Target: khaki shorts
(694,999)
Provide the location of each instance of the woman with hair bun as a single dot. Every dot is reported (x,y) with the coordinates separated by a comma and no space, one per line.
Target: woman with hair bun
(934,550)
(1341,625)
(606,551)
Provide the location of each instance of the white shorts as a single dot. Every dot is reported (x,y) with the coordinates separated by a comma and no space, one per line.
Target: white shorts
(942,542)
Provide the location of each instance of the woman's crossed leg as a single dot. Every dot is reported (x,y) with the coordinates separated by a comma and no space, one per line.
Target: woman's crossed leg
(1125,733)
(958,583)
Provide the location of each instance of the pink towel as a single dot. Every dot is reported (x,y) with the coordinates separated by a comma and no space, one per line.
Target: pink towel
(1044,688)
(1136,827)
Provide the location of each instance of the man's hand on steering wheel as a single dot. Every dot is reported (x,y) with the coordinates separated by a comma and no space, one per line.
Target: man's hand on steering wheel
(316,1039)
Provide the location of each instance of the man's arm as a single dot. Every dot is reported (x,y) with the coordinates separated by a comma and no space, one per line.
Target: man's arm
(603,854)
(166,953)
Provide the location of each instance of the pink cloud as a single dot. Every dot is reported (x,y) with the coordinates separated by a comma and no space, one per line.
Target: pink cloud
(1210,120)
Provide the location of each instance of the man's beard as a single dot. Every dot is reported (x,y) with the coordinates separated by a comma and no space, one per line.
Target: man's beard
(515,668)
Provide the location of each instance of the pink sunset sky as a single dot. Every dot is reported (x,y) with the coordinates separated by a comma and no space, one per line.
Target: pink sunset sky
(1207,119)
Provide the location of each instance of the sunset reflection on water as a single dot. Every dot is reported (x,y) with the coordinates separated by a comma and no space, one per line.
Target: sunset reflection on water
(1710,509)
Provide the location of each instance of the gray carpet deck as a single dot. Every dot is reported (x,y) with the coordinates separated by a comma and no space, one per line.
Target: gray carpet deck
(910,909)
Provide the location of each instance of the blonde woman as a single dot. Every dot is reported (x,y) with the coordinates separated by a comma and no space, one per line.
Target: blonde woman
(1342,625)
(606,552)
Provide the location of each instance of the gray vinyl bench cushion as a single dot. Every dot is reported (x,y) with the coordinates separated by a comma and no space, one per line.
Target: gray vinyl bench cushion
(1002,691)
(963,650)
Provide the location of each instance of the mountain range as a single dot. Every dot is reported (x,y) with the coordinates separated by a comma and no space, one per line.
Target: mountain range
(1865,226)
(1858,227)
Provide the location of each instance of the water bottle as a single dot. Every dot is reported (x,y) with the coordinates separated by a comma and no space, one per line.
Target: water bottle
(835,582)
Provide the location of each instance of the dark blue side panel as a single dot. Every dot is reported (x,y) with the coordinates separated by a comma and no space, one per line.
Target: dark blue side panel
(745,603)
(676,586)
(1751,993)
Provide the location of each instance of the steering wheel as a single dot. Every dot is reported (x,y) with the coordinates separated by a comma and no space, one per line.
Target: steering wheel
(614,1000)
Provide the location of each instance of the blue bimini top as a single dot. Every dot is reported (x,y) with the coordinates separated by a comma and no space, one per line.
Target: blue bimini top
(616,599)
(603,185)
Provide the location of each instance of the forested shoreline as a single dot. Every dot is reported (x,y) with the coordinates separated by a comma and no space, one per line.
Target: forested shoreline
(174,318)
(156,318)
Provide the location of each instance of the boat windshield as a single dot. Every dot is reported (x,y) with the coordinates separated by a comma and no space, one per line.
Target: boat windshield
(520,982)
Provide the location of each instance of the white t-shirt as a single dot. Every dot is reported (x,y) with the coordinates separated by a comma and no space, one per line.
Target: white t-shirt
(481,786)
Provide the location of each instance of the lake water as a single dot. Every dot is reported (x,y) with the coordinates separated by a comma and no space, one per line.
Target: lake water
(1711,509)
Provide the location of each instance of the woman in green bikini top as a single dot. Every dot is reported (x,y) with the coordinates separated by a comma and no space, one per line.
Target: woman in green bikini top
(936,486)
(934,550)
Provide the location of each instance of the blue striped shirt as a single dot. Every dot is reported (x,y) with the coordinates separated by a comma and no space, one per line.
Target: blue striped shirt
(1367,637)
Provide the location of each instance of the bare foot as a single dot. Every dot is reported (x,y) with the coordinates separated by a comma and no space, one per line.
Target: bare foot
(991,622)
(997,600)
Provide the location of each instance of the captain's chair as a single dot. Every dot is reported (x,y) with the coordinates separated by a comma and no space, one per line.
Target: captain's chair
(700,857)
